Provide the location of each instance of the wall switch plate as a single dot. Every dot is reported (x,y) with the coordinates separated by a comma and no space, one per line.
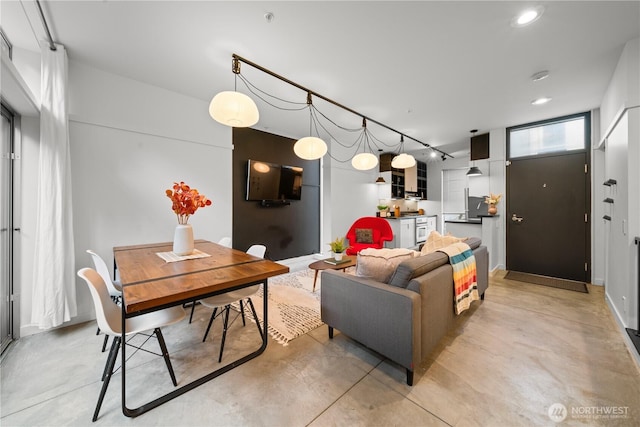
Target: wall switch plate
(624,227)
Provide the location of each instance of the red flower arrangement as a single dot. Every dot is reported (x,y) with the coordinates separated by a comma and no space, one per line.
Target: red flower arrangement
(186,201)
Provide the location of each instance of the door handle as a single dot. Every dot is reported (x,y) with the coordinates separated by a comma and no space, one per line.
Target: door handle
(516,218)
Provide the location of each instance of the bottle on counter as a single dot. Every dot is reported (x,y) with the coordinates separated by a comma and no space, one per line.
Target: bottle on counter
(397,211)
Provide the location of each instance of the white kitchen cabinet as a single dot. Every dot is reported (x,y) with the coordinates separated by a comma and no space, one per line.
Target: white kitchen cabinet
(432,224)
(404,233)
(411,179)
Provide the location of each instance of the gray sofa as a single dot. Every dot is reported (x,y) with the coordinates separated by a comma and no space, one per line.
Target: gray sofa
(403,321)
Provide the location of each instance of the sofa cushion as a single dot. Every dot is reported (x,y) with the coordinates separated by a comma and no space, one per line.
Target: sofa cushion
(417,266)
(379,264)
(436,241)
(364,235)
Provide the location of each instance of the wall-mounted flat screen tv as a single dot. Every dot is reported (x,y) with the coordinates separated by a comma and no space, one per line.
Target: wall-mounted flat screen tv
(272,181)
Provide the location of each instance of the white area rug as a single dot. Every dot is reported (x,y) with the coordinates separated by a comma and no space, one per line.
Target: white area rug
(293,309)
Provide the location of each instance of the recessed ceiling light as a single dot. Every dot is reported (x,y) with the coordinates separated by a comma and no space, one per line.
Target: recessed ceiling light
(541,75)
(527,17)
(540,101)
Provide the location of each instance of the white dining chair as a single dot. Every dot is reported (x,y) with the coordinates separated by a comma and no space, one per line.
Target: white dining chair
(108,316)
(113,286)
(225,241)
(225,300)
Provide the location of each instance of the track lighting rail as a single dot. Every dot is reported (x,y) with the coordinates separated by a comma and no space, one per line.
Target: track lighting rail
(337,104)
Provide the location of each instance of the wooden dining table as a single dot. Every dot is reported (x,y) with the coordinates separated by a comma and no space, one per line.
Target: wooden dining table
(149,283)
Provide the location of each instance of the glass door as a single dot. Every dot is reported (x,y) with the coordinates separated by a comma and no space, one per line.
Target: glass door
(6,229)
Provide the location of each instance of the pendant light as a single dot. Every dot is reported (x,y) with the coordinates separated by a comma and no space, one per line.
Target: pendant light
(474,171)
(403,160)
(364,161)
(232,108)
(310,147)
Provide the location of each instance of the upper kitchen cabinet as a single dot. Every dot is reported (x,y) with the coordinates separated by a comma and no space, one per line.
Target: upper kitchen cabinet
(415,180)
(480,147)
(411,179)
(422,179)
(397,176)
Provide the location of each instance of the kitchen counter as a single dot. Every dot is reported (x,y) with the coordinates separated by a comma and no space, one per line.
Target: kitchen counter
(471,220)
(409,216)
(486,228)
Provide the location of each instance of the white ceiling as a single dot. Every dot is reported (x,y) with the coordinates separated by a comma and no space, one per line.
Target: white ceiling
(432,70)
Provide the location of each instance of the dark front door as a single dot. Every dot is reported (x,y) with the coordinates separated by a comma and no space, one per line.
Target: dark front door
(548,215)
(546,228)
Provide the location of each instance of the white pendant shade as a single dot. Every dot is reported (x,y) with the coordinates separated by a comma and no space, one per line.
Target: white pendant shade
(403,161)
(364,161)
(310,148)
(234,109)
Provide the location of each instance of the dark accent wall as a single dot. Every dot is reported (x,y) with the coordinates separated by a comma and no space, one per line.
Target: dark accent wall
(287,231)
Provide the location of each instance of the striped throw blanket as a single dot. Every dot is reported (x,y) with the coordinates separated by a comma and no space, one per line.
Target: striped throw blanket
(464,275)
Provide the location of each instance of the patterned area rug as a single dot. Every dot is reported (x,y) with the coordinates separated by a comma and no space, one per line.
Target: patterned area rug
(293,309)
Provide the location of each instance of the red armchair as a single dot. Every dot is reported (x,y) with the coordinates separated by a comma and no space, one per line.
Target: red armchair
(373,232)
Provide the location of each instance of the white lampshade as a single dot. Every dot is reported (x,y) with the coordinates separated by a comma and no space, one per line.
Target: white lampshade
(403,161)
(234,109)
(364,161)
(310,148)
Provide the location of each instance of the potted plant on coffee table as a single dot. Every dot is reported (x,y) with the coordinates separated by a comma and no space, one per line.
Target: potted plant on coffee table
(338,247)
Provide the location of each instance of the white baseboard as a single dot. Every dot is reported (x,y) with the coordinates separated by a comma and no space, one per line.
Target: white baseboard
(26,330)
(630,347)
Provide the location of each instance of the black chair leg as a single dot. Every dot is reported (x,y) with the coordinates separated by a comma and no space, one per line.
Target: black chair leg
(213,316)
(224,331)
(193,308)
(109,369)
(113,353)
(330,332)
(255,316)
(104,343)
(242,313)
(165,355)
(98,331)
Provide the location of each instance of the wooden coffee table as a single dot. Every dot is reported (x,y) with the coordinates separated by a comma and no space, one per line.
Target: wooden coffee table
(321,265)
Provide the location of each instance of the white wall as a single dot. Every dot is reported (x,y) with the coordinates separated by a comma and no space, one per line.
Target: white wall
(598,193)
(620,126)
(353,194)
(129,142)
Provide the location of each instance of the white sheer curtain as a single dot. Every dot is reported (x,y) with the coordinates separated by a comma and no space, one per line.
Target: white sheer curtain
(54,280)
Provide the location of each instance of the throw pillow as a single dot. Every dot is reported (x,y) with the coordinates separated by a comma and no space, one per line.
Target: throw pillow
(379,264)
(364,235)
(437,241)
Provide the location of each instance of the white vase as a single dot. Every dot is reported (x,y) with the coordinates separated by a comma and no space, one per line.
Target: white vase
(337,256)
(183,240)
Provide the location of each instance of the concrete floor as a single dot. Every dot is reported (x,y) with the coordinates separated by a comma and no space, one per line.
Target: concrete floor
(507,361)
